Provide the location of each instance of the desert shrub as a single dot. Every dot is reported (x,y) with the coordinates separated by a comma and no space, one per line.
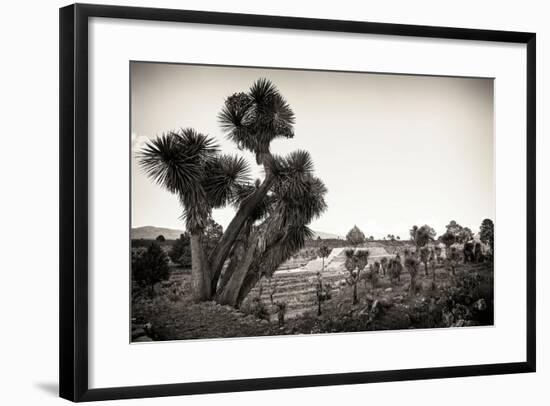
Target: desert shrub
(355,236)
(256,308)
(323,292)
(150,267)
(281,311)
(138,252)
(180,253)
(372,275)
(486,234)
(393,318)
(394,269)
(452,260)
(411,264)
(384,265)
(159,309)
(212,235)
(425,258)
(448,238)
(353,275)
(307,253)
(272,285)
(344,323)
(145,243)
(346,318)
(426,314)
(468,252)
(324,251)
(468,300)
(438,254)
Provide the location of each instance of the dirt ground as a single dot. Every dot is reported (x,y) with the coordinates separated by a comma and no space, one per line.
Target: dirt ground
(172,316)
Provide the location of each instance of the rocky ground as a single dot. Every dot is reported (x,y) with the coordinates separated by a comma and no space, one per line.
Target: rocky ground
(171,315)
(207,320)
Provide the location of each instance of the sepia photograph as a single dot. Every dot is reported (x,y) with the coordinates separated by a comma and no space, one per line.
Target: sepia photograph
(269,201)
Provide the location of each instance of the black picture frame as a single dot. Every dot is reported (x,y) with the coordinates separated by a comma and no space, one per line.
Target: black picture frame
(73,333)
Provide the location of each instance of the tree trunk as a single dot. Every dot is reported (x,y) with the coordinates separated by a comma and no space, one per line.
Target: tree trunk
(249,282)
(200,274)
(412,288)
(252,265)
(223,248)
(236,256)
(355,300)
(230,294)
(228,272)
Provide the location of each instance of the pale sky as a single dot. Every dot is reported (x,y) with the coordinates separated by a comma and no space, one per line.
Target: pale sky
(393,150)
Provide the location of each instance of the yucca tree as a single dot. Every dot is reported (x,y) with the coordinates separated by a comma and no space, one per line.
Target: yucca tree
(350,265)
(487,233)
(384,265)
(255,118)
(421,236)
(322,292)
(272,214)
(424,258)
(433,263)
(361,261)
(252,120)
(324,252)
(453,259)
(188,164)
(448,238)
(354,264)
(374,272)
(296,198)
(394,269)
(411,264)
(438,253)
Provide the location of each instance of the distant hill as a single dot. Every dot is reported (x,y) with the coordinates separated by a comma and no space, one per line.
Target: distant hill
(150,233)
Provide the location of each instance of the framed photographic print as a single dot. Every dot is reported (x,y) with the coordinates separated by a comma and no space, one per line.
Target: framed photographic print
(256,202)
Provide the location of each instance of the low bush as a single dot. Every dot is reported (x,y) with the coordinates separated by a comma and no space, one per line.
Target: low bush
(256,308)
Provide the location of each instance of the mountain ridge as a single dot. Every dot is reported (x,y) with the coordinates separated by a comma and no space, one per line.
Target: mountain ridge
(152,232)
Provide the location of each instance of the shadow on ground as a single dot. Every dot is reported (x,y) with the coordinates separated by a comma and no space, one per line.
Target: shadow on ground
(51,388)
